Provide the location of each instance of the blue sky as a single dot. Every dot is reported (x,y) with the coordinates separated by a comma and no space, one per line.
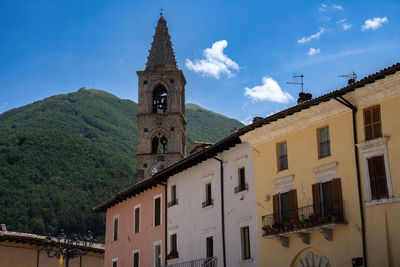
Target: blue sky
(236,55)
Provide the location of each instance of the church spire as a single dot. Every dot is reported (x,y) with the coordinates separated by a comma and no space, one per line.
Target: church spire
(161,53)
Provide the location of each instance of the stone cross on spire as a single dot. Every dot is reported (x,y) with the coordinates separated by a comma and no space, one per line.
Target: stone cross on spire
(161,54)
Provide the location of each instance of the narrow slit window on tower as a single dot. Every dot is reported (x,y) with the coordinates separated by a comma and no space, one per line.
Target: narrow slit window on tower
(160,100)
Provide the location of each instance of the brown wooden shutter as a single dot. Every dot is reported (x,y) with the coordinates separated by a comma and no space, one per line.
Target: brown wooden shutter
(293,205)
(157,211)
(316,200)
(275,199)
(337,197)
(376,117)
(377,177)
(371,170)
(367,124)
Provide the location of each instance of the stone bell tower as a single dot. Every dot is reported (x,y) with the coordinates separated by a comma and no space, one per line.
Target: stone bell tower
(161,110)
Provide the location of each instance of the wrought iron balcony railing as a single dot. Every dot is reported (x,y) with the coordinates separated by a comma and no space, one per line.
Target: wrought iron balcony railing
(241,188)
(206,262)
(173,202)
(306,217)
(208,202)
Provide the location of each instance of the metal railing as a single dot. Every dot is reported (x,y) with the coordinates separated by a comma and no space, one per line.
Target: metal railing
(241,188)
(304,217)
(208,202)
(206,262)
(173,202)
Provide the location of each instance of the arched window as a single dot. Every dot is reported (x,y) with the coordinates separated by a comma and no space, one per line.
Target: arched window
(160,99)
(159,144)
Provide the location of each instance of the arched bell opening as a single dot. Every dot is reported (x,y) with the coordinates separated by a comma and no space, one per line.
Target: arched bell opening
(159,144)
(160,100)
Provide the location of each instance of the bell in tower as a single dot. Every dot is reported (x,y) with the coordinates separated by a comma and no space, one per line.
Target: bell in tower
(161,109)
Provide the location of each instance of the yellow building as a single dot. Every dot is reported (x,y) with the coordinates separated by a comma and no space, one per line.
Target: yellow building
(328,193)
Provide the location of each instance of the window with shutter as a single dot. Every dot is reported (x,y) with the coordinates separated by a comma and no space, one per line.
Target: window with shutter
(293,205)
(157,211)
(115,234)
(275,199)
(327,199)
(210,247)
(377,177)
(282,156)
(136,259)
(324,142)
(372,123)
(137,220)
(245,236)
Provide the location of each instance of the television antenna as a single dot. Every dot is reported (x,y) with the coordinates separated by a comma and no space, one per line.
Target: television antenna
(352,75)
(161,11)
(301,76)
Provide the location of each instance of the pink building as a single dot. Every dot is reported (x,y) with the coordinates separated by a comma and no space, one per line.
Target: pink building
(135,232)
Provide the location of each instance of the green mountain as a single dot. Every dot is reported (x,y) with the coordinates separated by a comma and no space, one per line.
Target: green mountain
(61,156)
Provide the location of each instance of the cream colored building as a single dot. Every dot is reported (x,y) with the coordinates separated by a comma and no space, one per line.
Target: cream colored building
(328,193)
(26,250)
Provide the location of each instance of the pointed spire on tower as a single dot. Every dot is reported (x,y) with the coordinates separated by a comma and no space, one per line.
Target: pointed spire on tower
(161,54)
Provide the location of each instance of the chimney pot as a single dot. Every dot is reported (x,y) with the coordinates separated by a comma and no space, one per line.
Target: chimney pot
(303,97)
(257,119)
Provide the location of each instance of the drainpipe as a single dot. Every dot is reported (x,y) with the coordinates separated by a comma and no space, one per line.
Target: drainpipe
(222,206)
(165,221)
(345,102)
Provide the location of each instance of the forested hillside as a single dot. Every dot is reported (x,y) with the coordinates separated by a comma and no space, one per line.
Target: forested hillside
(61,156)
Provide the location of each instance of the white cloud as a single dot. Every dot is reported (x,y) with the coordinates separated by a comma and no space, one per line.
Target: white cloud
(215,62)
(373,24)
(268,91)
(338,7)
(347,26)
(313,51)
(322,7)
(311,37)
(341,21)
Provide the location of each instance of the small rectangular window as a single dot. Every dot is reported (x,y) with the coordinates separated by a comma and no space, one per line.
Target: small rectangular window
(137,220)
(157,211)
(372,123)
(245,236)
(115,263)
(209,247)
(209,200)
(241,181)
(173,241)
(282,156)
(324,142)
(377,177)
(115,234)
(157,256)
(136,259)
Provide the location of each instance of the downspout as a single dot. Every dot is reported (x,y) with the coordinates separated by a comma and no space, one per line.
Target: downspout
(165,221)
(345,102)
(222,206)
(37,258)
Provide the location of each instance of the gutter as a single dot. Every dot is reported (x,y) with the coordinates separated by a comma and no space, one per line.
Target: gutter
(345,102)
(222,206)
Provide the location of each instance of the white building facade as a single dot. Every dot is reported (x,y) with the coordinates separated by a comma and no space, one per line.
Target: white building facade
(195,206)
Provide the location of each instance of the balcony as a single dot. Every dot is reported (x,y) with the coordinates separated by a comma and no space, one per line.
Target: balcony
(207,262)
(242,187)
(172,203)
(321,217)
(208,202)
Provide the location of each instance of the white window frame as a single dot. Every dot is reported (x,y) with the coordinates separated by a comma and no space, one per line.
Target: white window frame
(373,148)
(114,260)
(154,210)
(134,218)
(133,256)
(241,244)
(113,229)
(157,243)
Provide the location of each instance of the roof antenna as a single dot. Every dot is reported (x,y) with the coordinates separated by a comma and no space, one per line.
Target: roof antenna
(301,76)
(352,77)
(161,11)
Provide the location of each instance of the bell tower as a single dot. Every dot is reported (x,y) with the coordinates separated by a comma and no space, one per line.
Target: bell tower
(161,109)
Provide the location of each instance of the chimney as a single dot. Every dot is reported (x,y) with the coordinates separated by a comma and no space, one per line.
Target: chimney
(351,81)
(303,97)
(257,119)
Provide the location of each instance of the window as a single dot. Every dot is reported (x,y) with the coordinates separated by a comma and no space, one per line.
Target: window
(209,201)
(241,181)
(115,262)
(327,199)
(173,254)
(157,211)
(377,177)
(372,123)
(137,219)
(245,237)
(173,201)
(115,233)
(157,255)
(209,247)
(285,207)
(324,142)
(160,99)
(159,144)
(136,259)
(282,156)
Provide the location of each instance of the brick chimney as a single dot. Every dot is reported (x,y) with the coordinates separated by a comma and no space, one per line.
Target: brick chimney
(257,119)
(303,97)
(351,81)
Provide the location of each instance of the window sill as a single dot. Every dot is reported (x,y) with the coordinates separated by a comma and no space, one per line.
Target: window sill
(382,201)
(242,192)
(324,157)
(173,206)
(208,207)
(246,261)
